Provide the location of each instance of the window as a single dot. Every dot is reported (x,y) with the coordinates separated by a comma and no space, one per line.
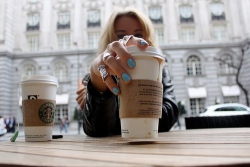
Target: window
(61,72)
(63,41)
(93,39)
(220,33)
(33,22)
(28,69)
(186,15)
(155,14)
(193,66)
(226,65)
(225,109)
(197,106)
(236,108)
(187,34)
(61,111)
(33,43)
(94,18)
(159,34)
(231,99)
(63,21)
(217,11)
(231,108)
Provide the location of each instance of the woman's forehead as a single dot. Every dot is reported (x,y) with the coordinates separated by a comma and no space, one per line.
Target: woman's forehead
(127,23)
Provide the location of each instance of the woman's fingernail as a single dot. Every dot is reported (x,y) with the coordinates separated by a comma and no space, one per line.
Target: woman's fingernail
(126,77)
(116,90)
(144,42)
(131,63)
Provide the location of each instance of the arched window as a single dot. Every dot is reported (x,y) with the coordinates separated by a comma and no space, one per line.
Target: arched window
(226,65)
(186,14)
(155,14)
(61,72)
(33,22)
(28,69)
(94,18)
(193,66)
(217,11)
(63,20)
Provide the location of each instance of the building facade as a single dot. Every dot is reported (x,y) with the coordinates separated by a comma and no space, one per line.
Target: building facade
(205,42)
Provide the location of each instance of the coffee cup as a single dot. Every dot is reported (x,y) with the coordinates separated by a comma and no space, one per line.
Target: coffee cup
(38,106)
(140,102)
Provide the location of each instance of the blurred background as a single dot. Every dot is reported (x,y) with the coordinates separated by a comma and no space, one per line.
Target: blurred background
(206,43)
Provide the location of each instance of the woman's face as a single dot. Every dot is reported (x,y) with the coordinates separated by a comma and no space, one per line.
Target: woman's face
(126,25)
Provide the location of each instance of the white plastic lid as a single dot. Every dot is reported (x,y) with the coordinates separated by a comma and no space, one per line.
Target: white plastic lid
(150,51)
(46,79)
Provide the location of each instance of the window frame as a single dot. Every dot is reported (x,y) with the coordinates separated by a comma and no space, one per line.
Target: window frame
(199,106)
(33,42)
(222,29)
(226,65)
(214,17)
(194,66)
(24,67)
(97,14)
(231,99)
(62,42)
(160,38)
(62,16)
(94,40)
(63,75)
(154,9)
(184,20)
(60,112)
(186,38)
(31,20)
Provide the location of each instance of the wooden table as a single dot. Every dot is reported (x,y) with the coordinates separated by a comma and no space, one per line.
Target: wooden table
(203,147)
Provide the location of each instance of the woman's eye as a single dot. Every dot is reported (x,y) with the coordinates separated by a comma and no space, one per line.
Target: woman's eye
(120,36)
(138,35)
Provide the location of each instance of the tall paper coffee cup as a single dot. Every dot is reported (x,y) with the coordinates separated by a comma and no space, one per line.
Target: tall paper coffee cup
(38,106)
(141,101)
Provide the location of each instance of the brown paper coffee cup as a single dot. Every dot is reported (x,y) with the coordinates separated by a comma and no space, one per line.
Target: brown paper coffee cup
(141,100)
(38,106)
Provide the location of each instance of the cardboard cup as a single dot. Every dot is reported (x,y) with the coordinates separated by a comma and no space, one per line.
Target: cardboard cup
(38,106)
(141,100)
(139,127)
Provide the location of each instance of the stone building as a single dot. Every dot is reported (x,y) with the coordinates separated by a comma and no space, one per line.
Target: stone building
(202,39)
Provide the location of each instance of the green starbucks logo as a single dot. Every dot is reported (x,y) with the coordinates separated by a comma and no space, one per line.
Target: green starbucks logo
(46,112)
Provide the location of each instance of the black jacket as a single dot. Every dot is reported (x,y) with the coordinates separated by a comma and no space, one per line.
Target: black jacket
(101,115)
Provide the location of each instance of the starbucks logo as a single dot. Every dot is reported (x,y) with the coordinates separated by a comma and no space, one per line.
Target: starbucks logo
(46,112)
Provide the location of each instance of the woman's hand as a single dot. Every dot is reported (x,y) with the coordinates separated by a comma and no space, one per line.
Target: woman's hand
(81,95)
(112,62)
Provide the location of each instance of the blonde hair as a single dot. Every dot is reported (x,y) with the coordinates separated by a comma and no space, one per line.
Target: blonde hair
(108,34)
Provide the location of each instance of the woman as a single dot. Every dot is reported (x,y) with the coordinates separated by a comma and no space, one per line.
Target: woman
(100,105)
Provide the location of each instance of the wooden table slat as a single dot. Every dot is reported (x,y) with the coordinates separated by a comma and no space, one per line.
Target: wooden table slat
(206,147)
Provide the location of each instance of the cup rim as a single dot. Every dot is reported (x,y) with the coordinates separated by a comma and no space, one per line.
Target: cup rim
(47,79)
(150,51)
